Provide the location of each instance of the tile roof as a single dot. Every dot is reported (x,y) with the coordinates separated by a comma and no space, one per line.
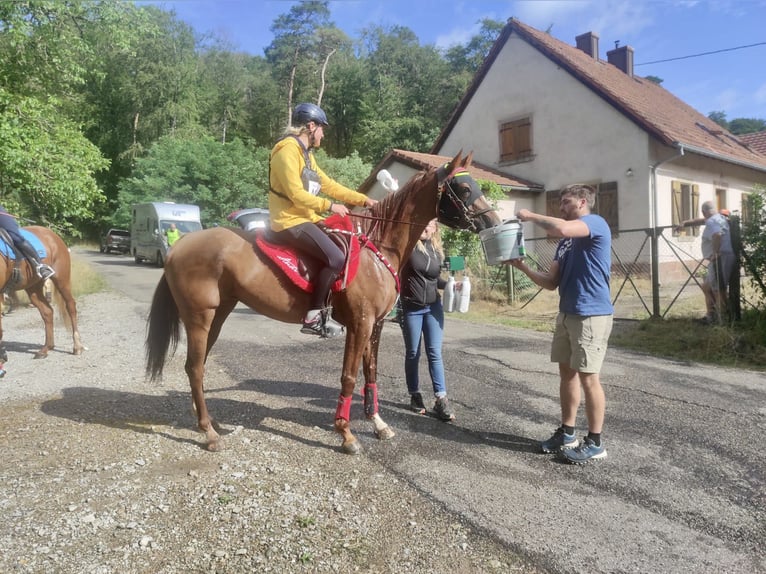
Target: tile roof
(420,161)
(650,106)
(756,141)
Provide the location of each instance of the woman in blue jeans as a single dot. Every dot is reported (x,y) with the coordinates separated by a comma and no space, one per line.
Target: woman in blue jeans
(423,318)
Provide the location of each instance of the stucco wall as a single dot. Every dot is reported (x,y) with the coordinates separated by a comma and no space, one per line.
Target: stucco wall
(576,136)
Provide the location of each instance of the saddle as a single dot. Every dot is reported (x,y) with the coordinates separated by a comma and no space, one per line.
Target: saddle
(301,269)
(8,249)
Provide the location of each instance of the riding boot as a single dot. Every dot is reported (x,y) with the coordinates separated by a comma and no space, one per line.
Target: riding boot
(43,271)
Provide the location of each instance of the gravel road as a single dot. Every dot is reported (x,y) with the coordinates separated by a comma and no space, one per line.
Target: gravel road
(103,472)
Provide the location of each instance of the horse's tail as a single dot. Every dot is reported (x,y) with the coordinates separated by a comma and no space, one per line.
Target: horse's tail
(162,329)
(59,302)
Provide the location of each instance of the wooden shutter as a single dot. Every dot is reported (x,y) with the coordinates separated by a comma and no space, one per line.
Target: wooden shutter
(523,138)
(695,207)
(507,149)
(675,204)
(606,205)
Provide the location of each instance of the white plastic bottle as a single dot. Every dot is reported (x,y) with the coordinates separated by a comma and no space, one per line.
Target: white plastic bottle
(448,298)
(465,295)
(387,180)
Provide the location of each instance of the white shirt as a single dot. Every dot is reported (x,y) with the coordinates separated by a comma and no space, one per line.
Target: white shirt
(716,224)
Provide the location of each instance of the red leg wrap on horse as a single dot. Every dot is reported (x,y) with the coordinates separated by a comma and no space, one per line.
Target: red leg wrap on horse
(344,408)
(370,400)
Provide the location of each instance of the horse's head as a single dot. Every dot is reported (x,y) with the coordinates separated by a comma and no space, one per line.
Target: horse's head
(462,205)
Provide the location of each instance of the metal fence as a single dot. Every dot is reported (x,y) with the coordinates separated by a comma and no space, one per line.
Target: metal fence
(654,274)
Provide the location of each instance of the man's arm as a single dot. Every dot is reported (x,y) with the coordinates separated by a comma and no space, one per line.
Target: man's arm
(555,226)
(547,280)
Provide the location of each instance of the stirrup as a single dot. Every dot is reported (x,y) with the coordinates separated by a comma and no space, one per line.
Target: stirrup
(323,325)
(45,271)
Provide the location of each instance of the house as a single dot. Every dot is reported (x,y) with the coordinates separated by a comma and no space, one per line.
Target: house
(554,113)
(755,141)
(402,165)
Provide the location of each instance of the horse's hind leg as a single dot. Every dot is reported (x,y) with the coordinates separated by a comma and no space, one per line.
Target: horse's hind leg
(37,298)
(63,293)
(370,367)
(197,330)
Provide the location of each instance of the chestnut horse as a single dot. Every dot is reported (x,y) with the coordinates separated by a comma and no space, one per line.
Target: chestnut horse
(19,274)
(208,272)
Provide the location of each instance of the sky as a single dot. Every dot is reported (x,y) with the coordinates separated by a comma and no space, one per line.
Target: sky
(731,80)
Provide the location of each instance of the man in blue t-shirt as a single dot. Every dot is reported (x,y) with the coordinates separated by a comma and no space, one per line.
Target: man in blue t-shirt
(580,270)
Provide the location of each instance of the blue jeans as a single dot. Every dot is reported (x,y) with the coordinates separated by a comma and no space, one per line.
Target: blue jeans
(426,323)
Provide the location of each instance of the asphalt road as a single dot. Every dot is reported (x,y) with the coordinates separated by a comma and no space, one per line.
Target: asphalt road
(682,490)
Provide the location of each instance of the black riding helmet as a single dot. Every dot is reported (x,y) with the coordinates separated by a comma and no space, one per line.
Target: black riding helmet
(305,113)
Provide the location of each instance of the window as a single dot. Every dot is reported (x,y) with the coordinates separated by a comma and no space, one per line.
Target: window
(685,205)
(516,140)
(720,199)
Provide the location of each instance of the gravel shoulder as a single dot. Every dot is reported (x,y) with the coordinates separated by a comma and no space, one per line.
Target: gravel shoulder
(104,472)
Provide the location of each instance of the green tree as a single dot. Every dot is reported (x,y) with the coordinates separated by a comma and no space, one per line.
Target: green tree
(719,118)
(46,165)
(294,54)
(218,177)
(741,126)
(754,239)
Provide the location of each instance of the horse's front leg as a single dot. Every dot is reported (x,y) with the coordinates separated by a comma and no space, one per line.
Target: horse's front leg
(370,364)
(357,338)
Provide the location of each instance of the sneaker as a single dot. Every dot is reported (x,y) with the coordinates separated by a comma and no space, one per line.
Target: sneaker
(45,271)
(417,404)
(442,410)
(559,441)
(586,452)
(326,329)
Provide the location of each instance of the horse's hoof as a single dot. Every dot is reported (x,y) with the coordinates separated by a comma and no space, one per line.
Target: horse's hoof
(386,433)
(77,352)
(352,447)
(215,446)
(40,355)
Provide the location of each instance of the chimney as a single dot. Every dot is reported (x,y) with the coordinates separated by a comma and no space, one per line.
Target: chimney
(588,43)
(622,58)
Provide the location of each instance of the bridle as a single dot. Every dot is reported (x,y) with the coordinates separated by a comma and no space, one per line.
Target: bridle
(454,205)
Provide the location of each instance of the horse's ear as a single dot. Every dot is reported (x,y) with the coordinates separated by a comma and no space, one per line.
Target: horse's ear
(468,160)
(451,166)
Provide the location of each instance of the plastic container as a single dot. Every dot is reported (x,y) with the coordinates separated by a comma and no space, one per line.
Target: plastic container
(448,297)
(464,300)
(503,242)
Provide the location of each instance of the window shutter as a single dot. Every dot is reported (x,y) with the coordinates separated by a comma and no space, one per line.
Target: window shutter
(695,207)
(506,142)
(523,139)
(552,203)
(606,205)
(676,203)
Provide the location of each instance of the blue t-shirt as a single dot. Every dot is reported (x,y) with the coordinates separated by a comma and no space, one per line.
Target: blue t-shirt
(584,269)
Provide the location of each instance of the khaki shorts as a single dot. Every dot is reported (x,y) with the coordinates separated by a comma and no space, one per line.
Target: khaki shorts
(581,341)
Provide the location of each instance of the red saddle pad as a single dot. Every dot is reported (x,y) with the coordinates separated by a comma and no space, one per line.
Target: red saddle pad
(288,258)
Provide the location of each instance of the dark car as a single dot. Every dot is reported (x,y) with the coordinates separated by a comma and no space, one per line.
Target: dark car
(116,240)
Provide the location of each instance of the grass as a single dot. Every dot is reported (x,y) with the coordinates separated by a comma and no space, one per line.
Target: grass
(740,345)
(85,280)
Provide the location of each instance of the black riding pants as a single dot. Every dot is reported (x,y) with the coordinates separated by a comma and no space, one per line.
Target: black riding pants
(311,240)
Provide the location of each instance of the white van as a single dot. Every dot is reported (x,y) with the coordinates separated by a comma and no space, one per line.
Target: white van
(150,222)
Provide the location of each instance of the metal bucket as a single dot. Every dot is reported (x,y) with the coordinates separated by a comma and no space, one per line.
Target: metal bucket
(503,242)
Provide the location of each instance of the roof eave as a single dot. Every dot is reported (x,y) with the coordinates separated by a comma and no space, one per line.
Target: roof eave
(681,146)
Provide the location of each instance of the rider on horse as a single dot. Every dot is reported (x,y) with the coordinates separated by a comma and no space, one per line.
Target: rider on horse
(8,222)
(295,181)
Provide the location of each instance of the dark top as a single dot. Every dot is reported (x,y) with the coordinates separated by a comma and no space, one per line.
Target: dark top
(420,277)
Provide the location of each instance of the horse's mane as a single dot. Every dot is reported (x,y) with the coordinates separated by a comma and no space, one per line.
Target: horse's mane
(392,210)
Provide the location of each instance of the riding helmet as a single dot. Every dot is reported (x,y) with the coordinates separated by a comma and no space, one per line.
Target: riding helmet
(305,113)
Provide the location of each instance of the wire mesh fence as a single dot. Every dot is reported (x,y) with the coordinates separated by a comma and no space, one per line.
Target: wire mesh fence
(655,273)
